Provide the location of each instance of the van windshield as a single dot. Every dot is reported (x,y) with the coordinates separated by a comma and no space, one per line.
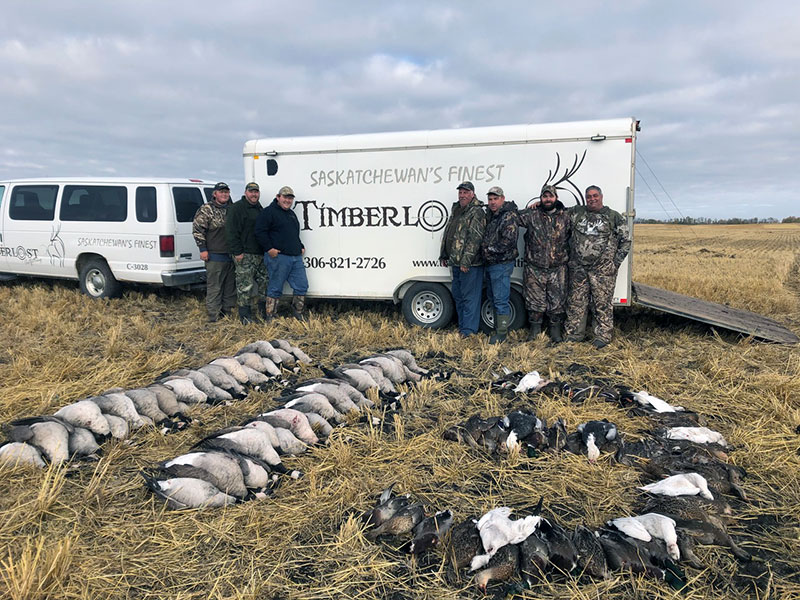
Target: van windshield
(187,201)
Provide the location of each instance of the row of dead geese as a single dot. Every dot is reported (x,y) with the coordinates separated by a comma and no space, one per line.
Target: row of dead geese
(244,462)
(678,511)
(78,429)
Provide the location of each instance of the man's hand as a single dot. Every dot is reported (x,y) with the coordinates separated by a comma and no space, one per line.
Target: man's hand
(273,252)
(239,257)
(204,255)
(443,262)
(465,269)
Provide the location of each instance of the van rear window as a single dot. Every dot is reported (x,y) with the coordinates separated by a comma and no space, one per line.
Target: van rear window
(146,204)
(33,203)
(105,203)
(187,201)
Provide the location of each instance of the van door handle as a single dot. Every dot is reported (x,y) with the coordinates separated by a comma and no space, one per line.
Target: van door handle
(186,255)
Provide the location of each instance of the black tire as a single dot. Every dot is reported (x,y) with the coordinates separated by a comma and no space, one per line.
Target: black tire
(428,305)
(519,316)
(97,280)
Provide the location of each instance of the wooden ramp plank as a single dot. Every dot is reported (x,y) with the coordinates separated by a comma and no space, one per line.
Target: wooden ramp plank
(712,313)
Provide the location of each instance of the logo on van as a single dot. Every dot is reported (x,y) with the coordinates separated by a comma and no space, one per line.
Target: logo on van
(431,216)
(20,252)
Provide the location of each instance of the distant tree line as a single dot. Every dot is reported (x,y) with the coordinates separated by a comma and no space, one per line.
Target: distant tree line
(708,221)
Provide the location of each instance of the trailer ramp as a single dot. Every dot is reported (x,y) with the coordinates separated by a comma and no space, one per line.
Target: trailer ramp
(712,313)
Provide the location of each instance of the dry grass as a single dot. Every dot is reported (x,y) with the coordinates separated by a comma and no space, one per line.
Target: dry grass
(92,531)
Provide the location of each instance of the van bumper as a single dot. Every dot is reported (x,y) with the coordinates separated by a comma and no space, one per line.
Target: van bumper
(187,277)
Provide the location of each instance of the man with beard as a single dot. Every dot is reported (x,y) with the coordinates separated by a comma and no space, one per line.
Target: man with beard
(208,229)
(547,234)
(598,244)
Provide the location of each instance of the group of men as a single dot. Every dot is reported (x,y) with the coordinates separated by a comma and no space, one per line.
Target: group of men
(572,256)
(250,253)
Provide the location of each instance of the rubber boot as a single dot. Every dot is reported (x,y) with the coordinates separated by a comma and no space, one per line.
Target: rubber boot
(245,315)
(554,329)
(536,325)
(298,305)
(261,310)
(500,329)
(270,304)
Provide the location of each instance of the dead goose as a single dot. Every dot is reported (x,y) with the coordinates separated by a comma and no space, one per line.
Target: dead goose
(120,405)
(233,367)
(246,440)
(185,390)
(259,363)
(292,349)
(85,413)
(407,358)
(14,454)
(49,434)
(298,424)
(683,484)
(650,525)
(359,378)
(319,425)
(697,435)
(119,427)
(146,403)
(391,366)
(313,402)
(181,493)
(288,360)
(222,380)
(289,444)
(200,380)
(82,442)
(263,348)
(219,469)
(334,393)
(254,377)
(267,428)
(168,401)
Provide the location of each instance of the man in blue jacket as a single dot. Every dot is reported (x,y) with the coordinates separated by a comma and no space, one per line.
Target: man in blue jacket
(278,232)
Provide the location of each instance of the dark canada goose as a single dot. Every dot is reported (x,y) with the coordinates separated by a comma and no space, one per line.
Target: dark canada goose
(219,469)
(85,413)
(117,403)
(359,378)
(14,454)
(49,434)
(181,493)
(356,397)
(391,366)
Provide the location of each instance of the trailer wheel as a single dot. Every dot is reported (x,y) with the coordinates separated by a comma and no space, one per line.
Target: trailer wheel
(428,305)
(519,316)
(97,280)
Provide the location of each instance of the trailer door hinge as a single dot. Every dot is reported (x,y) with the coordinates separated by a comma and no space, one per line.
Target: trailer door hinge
(631,214)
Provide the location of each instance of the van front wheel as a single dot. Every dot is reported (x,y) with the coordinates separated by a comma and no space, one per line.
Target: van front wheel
(428,305)
(97,280)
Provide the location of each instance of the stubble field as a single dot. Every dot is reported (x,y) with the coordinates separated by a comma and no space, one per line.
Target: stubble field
(93,531)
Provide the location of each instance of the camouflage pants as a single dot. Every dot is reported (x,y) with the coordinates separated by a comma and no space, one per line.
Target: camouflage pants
(220,287)
(545,289)
(251,279)
(593,289)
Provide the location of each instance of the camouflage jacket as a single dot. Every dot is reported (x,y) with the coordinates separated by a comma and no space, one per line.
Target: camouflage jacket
(598,237)
(499,243)
(546,236)
(208,227)
(461,241)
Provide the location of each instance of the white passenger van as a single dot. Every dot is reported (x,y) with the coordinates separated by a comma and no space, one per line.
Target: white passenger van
(102,231)
(373,207)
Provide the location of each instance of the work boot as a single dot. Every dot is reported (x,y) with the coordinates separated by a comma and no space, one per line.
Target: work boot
(298,304)
(213,317)
(261,310)
(270,304)
(245,315)
(225,312)
(554,329)
(598,343)
(535,326)
(500,329)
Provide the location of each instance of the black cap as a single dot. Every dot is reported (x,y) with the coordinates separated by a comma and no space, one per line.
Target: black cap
(221,186)
(466,185)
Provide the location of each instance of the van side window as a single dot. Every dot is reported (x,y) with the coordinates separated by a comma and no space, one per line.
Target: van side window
(33,203)
(94,203)
(146,204)
(2,190)
(209,192)
(187,201)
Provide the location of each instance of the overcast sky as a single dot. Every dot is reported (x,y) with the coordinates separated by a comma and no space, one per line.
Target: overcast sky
(175,88)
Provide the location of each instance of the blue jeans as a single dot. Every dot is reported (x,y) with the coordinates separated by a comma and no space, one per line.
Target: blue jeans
(498,286)
(285,268)
(466,290)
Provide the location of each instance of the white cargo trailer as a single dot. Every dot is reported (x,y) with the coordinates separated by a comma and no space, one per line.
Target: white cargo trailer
(372,207)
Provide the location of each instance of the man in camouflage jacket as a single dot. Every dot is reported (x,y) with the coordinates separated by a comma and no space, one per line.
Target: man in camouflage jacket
(461,245)
(248,256)
(598,245)
(499,250)
(547,231)
(208,229)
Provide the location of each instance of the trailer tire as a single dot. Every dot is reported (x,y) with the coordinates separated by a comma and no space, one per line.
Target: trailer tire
(97,280)
(519,315)
(428,305)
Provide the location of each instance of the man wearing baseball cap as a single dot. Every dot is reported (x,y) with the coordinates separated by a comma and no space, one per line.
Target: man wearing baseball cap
(208,229)
(278,232)
(461,250)
(547,230)
(248,257)
(499,250)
